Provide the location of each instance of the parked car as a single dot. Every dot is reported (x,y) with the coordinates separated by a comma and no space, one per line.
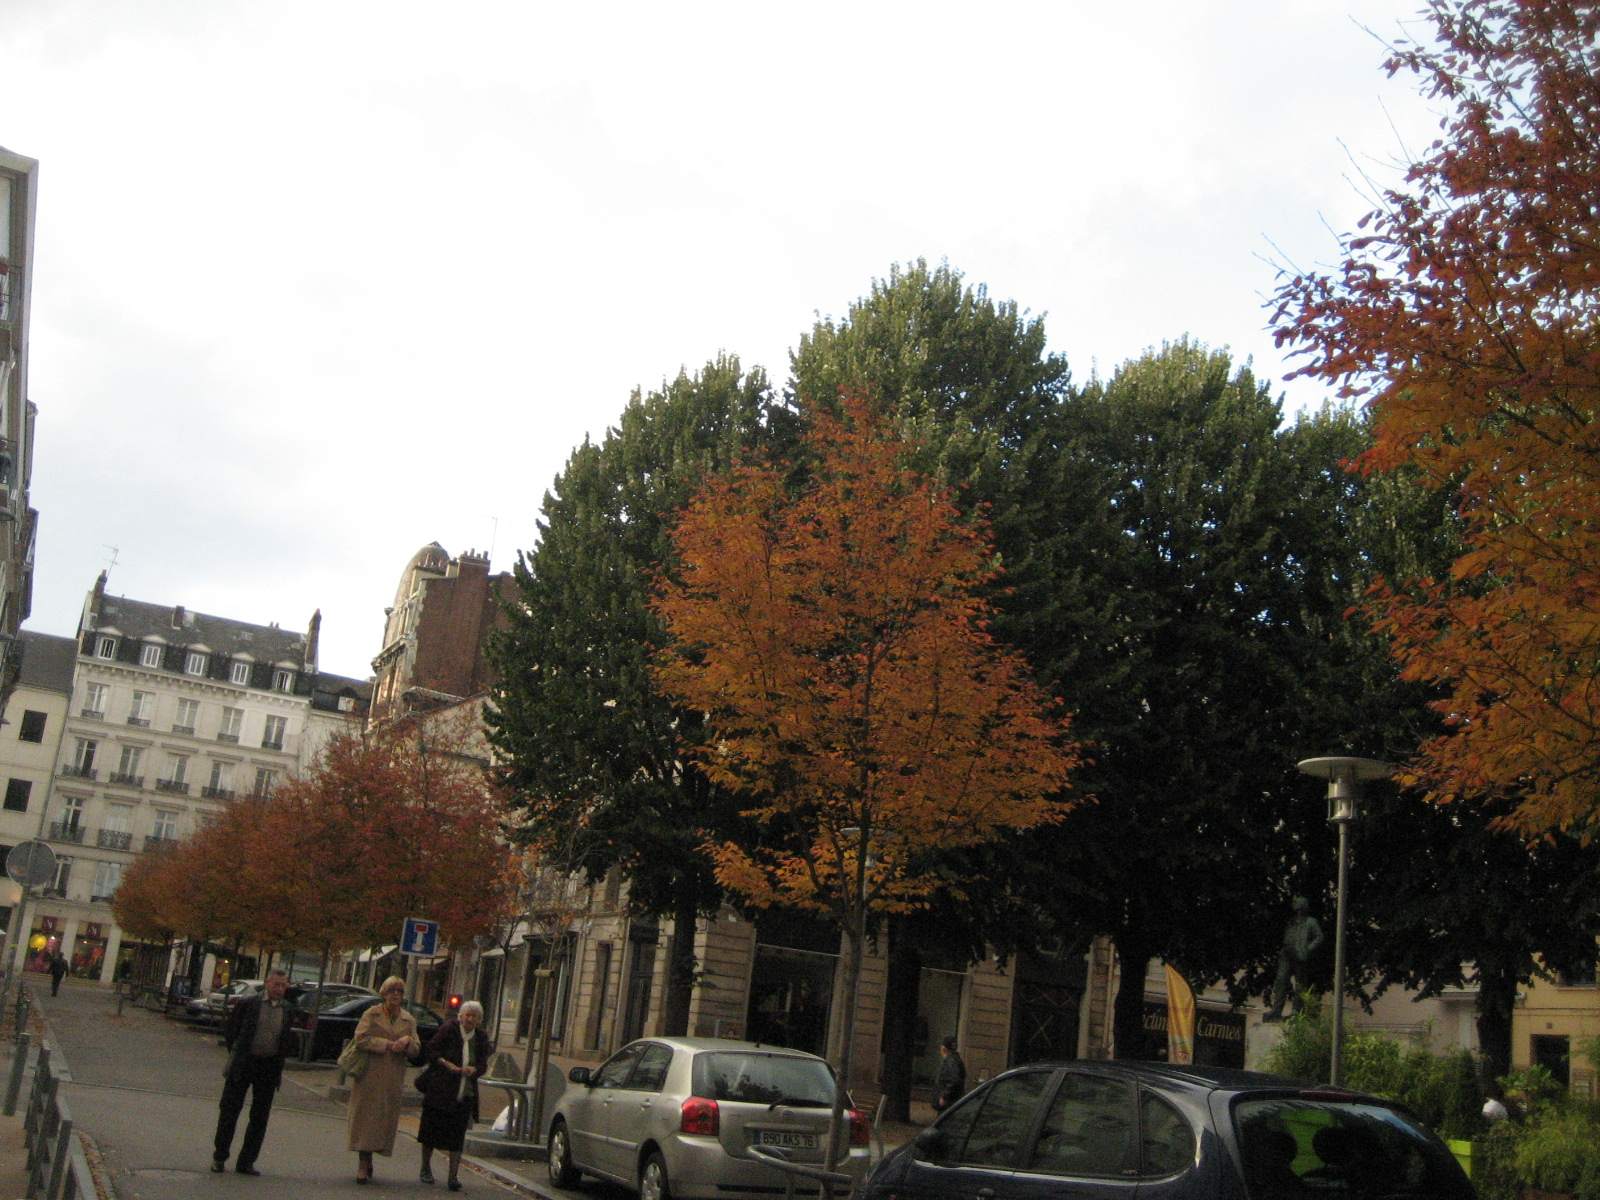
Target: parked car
(337,1025)
(677,1117)
(1149,1130)
(310,999)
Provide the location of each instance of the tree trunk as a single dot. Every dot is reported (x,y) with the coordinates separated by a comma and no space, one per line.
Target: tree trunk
(681,962)
(854,937)
(900,1020)
(1128,1010)
(1497,995)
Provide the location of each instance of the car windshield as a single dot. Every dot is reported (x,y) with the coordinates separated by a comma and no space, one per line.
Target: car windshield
(1305,1146)
(753,1077)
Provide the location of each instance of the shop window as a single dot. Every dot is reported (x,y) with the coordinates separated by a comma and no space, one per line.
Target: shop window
(32,726)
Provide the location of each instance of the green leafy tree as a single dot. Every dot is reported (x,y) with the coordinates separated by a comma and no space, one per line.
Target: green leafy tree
(594,753)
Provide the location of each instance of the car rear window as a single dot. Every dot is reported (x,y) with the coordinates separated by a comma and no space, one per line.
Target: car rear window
(1294,1145)
(751,1077)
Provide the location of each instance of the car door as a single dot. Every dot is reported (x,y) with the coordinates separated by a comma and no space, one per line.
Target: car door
(637,1113)
(972,1152)
(589,1113)
(1086,1145)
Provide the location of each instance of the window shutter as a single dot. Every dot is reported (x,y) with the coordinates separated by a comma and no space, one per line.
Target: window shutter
(261,675)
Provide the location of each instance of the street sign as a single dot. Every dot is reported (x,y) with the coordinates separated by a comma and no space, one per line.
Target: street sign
(31,864)
(419,937)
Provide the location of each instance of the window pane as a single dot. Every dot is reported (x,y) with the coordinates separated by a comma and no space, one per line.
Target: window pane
(1167,1141)
(1089,1129)
(1009,1108)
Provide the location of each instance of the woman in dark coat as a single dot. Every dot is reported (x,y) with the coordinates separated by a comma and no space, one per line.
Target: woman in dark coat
(457,1056)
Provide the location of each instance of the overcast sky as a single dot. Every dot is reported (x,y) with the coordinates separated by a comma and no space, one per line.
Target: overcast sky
(319,283)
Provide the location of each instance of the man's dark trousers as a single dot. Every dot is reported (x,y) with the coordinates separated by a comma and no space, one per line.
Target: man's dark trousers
(259,1076)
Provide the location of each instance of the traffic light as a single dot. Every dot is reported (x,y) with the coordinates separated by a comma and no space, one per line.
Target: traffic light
(453,1005)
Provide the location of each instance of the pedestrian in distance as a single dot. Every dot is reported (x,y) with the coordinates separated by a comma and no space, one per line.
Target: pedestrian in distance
(388,1034)
(259,1038)
(457,1056)
(951,1082)
(58,968)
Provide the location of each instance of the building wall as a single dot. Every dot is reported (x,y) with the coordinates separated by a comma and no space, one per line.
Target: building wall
(1558,1013)
(31,763)
(18,521)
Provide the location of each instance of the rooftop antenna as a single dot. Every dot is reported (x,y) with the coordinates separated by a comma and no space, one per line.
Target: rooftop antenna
(113,560)
(494,535)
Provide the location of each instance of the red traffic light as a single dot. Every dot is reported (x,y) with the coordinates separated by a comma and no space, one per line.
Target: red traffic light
(453,1003)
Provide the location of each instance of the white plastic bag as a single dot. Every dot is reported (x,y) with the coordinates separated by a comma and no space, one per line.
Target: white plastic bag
(502,1123)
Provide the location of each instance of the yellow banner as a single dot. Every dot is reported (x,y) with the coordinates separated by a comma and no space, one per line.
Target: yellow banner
(1180,1018)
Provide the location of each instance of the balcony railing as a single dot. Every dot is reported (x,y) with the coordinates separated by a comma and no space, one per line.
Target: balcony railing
(114,839)
(216,793)
(74,771)
(133,781)
(62,831)
(189,729)
(140,722)
(59,893)
(232,738)
(94,714)
(156,842)
(176,786)
(267,744)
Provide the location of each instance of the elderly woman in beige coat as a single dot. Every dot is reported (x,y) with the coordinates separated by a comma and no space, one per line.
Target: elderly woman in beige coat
(388,1033)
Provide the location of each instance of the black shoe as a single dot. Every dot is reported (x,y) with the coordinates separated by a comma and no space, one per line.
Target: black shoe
(244,1170)
(219,1165)
(425,1175)
(454,1185)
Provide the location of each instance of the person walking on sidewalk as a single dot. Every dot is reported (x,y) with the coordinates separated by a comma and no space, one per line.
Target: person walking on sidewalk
(388,1033)
(259,1038)
(951,1083)
(457,1055)
(58,968)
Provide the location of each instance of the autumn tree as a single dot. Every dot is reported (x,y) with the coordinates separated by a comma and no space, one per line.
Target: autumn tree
(592,751)
(1464,315)
(826,618)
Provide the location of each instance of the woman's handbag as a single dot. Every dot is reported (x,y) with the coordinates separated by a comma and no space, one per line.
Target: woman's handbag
(422,1079)
(353,1060)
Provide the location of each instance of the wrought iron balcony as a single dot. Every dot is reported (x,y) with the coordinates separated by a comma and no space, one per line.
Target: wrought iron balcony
(74,771)
(232,738)
(114,839)
(156,842)
(189,729)
(65,831)
(175,786)
(216,793)
(133,781)
(270,745)
(94,714)
(140,722)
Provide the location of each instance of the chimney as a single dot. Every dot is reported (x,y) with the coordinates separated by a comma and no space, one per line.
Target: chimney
(177,616)
(312,633)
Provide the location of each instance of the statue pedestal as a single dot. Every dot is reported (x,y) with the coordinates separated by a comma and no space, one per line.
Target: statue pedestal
(1260,1038)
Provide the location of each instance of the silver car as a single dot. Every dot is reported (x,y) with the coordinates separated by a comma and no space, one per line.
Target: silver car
(677,1117)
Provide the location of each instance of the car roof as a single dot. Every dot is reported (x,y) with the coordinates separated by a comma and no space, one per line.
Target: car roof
(1202,1078)
(700,1045)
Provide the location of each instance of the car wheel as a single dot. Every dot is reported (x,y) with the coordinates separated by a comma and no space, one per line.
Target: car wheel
(653,1179)
(563,1172)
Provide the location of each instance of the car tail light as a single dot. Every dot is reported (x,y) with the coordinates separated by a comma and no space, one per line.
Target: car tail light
(860,1127)
(700,1116)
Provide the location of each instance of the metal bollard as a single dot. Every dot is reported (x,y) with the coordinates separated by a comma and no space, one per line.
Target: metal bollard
(19,1063)
(121,996)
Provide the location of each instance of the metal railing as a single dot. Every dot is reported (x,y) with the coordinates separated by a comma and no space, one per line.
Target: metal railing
(125,780)
(114,839)
(62,831)
(57,1167)
(74,771)
(175,786)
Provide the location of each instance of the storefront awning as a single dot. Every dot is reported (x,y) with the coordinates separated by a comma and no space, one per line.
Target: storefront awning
(369,955)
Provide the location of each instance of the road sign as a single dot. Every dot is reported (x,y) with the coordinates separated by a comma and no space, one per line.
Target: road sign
(419,937)
(31,864)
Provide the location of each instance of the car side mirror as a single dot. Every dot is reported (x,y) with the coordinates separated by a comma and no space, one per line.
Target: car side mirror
(929,1144)
(579,1075)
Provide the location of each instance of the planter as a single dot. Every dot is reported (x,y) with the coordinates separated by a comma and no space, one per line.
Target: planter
(1462,1149)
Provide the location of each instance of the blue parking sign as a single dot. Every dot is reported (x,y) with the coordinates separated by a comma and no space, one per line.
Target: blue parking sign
(419,937)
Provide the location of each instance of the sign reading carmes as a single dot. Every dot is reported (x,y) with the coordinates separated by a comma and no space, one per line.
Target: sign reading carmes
(1213,1026)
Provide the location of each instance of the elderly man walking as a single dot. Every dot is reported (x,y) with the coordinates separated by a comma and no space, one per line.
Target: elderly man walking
(259,1038)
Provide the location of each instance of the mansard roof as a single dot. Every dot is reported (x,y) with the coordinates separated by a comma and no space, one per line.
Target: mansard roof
(47,661)
(178,626)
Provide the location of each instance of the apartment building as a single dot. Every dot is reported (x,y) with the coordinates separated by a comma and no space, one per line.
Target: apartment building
(172,714)
(18,191)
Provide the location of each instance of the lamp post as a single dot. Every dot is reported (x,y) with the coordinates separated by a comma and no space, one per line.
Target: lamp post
(1344,776)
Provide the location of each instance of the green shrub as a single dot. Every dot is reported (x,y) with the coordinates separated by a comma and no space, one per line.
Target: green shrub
(1559,1151)
(1442,1089)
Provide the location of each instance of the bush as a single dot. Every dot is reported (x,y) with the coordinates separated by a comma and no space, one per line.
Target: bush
(1442,1089)
(1558,1150)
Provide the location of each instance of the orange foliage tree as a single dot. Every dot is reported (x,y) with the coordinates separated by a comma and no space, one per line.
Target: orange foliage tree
(1465,315)
(828,620)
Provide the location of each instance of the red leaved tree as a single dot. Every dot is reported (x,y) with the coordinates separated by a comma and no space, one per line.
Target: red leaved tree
(1466,317)
(832,630)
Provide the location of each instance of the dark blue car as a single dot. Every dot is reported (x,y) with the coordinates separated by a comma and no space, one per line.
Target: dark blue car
(1151,1131)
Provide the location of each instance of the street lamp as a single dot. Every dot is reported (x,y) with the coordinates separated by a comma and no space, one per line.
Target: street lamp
(1344,776)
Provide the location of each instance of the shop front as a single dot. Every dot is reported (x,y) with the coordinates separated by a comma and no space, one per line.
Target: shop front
(89,951)
(1218,1035)
(43,943)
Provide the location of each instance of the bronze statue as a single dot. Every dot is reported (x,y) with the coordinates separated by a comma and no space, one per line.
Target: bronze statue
(1301,937)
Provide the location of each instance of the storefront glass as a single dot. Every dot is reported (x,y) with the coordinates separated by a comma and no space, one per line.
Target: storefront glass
(790,994)
(89,951)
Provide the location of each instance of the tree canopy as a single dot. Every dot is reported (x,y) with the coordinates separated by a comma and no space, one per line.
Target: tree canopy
(1464,315)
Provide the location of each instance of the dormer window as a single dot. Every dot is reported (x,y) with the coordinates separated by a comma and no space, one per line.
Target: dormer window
(282,680)
(240,673)
(194,663)
(150,655)
(105,647)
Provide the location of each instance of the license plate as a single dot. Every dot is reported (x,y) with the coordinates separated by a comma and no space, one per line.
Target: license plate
(782,1139)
